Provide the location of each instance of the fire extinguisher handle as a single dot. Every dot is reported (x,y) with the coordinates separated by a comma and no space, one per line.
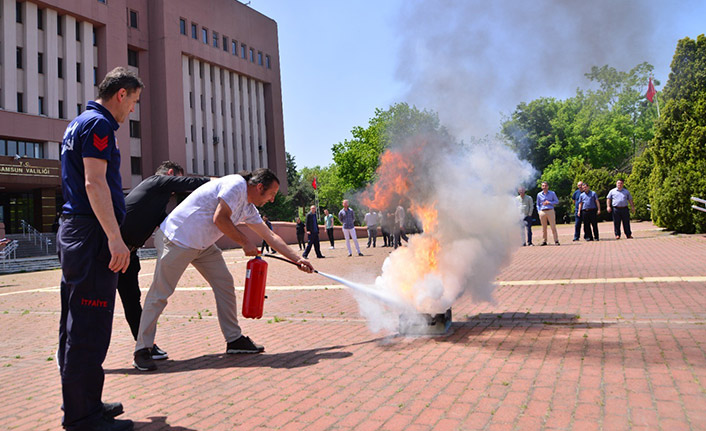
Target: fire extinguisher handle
(284,259)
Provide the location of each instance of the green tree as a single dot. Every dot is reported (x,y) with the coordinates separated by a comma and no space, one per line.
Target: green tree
(357,158)
(592,136)
(678,146)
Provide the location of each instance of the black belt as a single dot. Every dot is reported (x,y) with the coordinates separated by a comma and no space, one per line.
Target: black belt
(69,216)
(620,207)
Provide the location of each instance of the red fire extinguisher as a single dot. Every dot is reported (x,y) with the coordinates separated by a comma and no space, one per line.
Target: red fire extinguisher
(254,295)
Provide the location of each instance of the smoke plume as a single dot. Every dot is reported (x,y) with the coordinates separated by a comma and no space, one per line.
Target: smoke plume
(464,197)
(472,61)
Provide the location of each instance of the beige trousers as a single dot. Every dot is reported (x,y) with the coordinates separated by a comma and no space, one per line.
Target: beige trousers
(172,261)
(548,216)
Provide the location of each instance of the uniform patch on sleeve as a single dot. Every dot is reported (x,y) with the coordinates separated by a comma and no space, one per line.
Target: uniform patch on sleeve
(100,143)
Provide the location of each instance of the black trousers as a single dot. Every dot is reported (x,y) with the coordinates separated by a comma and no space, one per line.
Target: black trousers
(590,221)
(313,241)
(87,303)
(129,290)
(399,236)
(372,235)
(621,214)
(300,241)
(329,233)
(577,227)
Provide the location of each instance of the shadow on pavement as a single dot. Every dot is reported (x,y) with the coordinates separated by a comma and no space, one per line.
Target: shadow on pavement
(159,423)
(294,359)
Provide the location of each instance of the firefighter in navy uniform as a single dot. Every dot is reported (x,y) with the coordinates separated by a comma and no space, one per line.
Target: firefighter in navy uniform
(92,252)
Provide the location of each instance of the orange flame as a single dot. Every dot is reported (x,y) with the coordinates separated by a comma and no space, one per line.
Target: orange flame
(393,180)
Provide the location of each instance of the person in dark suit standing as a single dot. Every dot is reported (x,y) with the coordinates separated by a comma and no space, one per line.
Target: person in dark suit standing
(312,228)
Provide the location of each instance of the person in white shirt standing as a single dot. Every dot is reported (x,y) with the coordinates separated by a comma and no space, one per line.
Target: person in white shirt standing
(371,221)
(188,236)
(526,205)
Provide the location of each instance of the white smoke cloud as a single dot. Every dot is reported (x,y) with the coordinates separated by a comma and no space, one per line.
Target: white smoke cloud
(473,189)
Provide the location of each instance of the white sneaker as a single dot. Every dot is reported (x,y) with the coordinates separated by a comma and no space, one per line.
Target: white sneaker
(330,248)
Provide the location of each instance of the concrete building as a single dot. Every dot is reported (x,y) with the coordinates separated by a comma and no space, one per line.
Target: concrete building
(212,100)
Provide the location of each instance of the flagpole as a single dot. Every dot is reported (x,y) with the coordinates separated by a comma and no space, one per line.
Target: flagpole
(657,103)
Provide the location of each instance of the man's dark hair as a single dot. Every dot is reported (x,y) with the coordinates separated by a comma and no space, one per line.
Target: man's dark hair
(262,176)
(167,165)
(116,79)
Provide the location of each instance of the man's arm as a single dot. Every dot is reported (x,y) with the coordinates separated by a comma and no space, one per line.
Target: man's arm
(221,218)
(276,242)
(598,204)
(608,203)
(102,205)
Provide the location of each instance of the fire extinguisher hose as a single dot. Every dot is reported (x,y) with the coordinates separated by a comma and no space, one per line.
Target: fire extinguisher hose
(386,298)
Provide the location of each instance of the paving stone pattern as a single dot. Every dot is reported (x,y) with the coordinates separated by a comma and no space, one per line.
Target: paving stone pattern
(608,335)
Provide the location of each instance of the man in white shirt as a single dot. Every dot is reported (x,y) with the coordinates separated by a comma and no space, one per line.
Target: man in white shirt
(371,221)
(188,236)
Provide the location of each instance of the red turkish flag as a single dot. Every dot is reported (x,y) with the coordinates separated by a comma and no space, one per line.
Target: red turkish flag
(651,91)
(313,183)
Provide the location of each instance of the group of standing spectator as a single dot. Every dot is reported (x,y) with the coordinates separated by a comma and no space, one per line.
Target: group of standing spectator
(587,208)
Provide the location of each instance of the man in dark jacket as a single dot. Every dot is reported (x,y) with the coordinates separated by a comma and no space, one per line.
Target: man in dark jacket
(312,228)
(146,208)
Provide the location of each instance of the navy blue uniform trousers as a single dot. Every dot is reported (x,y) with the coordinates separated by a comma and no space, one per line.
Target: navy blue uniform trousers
(87,303)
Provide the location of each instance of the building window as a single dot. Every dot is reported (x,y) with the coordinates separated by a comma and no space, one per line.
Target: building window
(40,19)
(40,109)
(194,31)
(215,39)
(59,25)
(243,51)
(268,64)
(95,37)
(132,57)
(202,104)
(259,58)
(101,1)
(204,35)
(136,165)
(78,72)
(182,26)
(19,58)
(61,109)
(225,43)
(60,67)
(18,12)
(191,100)
(20,102)
(78,31)
(133,18)
(79,108)
(135,129)
(252,55)
(234,47)
(40,62)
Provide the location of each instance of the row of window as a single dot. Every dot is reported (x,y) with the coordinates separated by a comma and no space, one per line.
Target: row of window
(10,147)
(59,63)
(222,41)
(41,106)
(19,18)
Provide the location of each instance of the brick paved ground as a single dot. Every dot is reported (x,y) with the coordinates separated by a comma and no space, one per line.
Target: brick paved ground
(606,336)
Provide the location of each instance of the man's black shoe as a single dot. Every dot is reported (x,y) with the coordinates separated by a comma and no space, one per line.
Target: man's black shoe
(543,244)
(320,257)
(244,344)
(361,254)
(143,360)
(108,424)
(111,410)
(157,353)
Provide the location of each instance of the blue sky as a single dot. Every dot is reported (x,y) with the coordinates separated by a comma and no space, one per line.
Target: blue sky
(470,61)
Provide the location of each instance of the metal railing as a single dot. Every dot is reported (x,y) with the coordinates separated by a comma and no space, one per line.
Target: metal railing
(37,237)
(696,207)
(8,253)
